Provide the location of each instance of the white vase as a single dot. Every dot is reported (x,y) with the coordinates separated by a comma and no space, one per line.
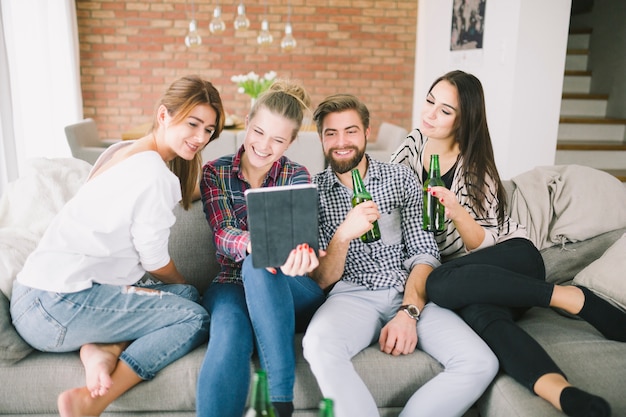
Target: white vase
(252,101)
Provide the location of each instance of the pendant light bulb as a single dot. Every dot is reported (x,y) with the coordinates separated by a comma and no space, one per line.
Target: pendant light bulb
(217,25)
(241,21)
(265,38)
(193,39)
(288,43)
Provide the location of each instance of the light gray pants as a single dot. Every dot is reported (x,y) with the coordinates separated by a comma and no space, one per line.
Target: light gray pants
(351,319)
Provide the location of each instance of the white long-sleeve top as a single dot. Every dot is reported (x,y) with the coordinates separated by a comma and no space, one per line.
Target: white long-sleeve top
(114,229)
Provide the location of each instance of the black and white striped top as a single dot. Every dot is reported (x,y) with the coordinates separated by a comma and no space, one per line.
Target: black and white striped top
(450,244)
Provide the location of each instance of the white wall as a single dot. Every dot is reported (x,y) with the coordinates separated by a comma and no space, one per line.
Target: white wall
(42,67)
(521,68)
(607,56)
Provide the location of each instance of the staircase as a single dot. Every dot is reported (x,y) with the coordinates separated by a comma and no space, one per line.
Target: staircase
(586,136)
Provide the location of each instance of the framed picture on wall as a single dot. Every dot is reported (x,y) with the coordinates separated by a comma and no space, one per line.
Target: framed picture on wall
(468,24)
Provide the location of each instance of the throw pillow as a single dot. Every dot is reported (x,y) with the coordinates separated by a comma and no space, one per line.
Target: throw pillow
(563,262)
(29,204)
(12,347)
(553,203)
(606,276)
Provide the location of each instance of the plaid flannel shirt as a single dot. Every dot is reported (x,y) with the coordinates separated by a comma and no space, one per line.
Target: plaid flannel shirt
(223,187)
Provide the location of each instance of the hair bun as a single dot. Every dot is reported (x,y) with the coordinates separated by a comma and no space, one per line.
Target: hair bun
(292,89)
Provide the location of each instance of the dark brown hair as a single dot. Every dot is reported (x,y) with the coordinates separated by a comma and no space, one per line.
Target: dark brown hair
(472,134)
(338,103)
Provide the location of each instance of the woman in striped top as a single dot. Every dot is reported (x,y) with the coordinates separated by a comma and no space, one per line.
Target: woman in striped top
(492,274)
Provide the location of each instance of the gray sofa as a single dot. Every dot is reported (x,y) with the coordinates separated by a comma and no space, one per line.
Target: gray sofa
(31,381)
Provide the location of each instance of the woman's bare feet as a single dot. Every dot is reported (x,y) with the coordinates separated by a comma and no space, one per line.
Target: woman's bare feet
(75,403)
(99,362)
(80,402)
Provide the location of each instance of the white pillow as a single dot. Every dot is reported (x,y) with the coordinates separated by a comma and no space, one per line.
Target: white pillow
(606,276)
(29,204)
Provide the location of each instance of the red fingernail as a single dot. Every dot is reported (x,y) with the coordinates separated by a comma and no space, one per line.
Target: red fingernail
(305,246)
(442,200)
(273,271)
(310,250)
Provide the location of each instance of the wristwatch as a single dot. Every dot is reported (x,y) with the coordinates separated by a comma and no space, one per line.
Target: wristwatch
(411,310)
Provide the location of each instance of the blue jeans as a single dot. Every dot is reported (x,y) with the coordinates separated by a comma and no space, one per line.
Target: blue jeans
(264,313)
(162,327)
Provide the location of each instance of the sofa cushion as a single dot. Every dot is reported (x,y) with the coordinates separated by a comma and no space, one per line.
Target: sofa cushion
(606,275)
(506,397)
(191,246)
(12,347)
(563,262)
(40,377)
(588,360)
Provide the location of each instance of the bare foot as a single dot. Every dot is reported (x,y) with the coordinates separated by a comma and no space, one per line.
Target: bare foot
(74,402)
(99,362)
(81,402)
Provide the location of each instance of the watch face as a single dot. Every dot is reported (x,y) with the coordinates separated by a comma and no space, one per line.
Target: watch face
(414,311)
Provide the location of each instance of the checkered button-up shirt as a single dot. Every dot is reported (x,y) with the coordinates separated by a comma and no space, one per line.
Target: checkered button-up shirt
(403,244)
(223,190)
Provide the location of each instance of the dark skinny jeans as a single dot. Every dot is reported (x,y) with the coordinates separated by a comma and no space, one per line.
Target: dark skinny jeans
(491,289)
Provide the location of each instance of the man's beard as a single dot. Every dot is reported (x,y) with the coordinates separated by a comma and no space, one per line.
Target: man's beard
(344,166)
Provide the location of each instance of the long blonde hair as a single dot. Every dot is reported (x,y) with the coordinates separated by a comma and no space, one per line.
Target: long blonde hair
(182,96)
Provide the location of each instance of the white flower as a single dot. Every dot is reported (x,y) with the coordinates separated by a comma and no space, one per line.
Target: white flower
(253,85)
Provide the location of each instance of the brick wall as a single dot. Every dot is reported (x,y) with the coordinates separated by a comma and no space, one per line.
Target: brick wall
(130,51)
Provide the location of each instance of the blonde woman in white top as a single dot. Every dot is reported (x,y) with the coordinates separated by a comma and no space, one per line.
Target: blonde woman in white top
(78,290)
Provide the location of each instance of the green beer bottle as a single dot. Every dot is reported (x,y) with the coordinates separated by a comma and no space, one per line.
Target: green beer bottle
(260,404)
(326,408)
(433,216)
(359,195)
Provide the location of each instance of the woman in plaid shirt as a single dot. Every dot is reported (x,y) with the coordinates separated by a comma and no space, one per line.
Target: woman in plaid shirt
(254,307)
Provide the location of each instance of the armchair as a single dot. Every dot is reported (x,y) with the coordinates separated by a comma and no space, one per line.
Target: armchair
(82,137)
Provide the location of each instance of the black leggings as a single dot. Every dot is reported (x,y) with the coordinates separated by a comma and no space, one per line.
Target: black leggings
(491,289)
